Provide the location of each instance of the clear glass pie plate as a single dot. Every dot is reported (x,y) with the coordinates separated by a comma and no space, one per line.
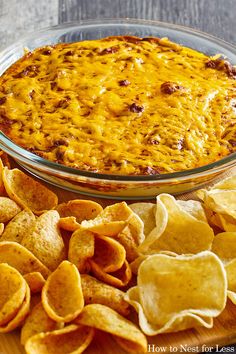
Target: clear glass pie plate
(105,185)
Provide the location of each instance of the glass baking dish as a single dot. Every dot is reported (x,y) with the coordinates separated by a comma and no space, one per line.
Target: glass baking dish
(105,185)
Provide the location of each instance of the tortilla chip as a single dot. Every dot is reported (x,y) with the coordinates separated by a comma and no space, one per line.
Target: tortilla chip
(176,230)
(161,217)
(97,292)
(128,346)
(220,222)
(27,192)
(136,226)
(12,292)
(104,228)
(227,183)
(183,322)
(2,188)
(45,240)
(62,295)
(126,239)
(224,245)
(119,278)
(109,254)
(214,220)
(220,201)
(19,226)
(105,319)
(110,221)
(20,316)
(171,292)
(231,271)
(137,262)
(69,223)
(81,249)
(228,223)
(21,259)
(35,281)
(72,339)
(132,235)
(37,322)
(8,209)
(1,229)
(35,300)
(146,212)
(194,208)
(80,209)
(5,160)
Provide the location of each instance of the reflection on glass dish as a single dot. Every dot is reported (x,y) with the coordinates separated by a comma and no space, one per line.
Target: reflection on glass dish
(106,184)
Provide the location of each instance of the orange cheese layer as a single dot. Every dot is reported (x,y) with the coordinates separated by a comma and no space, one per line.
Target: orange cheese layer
(121,105)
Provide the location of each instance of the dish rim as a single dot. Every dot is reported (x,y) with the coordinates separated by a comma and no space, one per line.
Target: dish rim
(27,157)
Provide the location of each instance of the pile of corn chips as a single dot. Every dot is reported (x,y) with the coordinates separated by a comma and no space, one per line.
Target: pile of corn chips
(72,271)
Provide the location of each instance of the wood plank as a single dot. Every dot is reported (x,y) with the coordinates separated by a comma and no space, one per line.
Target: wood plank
(216,17)
(20,17)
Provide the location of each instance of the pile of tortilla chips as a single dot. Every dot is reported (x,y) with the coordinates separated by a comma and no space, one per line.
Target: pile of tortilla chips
(74,271)
(187,263)
(62,268)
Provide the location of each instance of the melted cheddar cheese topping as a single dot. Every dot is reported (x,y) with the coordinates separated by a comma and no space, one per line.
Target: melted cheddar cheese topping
(121,105)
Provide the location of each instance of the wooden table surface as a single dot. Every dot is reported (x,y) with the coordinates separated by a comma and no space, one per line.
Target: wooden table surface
(18,17)
(21,16)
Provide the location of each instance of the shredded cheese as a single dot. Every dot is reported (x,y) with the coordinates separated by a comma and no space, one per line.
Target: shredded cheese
(121,105)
